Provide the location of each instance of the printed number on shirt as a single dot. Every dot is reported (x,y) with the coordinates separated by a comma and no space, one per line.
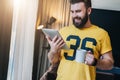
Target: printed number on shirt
(77,44)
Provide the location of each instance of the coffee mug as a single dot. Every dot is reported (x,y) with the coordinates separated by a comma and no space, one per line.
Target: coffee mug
(80,55)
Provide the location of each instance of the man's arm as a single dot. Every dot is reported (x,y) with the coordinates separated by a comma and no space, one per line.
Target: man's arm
(53,57)
(55,47)
(106,61)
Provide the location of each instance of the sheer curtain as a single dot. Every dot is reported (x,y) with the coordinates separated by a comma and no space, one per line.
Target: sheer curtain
(22,40)
(50,8)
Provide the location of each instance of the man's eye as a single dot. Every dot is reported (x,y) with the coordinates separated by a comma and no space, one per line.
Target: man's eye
(72,11)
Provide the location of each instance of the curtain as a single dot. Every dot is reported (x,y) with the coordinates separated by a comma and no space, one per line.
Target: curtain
(22,40)
(58,9)
(47,9)
(5,34)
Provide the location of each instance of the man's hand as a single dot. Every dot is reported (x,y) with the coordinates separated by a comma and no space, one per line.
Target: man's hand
(56,43)
(55,46)
(90,59)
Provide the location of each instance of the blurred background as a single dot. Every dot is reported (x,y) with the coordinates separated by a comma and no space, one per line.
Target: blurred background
(23,47)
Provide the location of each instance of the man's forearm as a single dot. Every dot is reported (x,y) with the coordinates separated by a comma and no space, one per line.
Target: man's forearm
(105,64)
(53,57)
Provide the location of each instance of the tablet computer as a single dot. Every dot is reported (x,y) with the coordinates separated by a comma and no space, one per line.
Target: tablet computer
(52,33)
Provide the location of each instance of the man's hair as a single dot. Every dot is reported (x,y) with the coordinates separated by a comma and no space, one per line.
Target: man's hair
(87,2)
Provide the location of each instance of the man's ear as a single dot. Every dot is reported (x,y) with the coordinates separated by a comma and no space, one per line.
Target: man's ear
(89,10)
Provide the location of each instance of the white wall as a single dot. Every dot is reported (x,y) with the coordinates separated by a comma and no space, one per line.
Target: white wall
(106,4)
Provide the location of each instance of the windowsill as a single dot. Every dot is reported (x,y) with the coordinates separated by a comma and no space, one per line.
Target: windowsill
(114,70)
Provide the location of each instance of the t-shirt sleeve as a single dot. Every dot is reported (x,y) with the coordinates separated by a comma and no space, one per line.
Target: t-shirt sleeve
(106,43)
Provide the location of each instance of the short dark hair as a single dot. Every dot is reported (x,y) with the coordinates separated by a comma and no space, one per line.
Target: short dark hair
(87,2)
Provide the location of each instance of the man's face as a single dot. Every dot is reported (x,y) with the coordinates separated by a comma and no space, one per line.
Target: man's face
(79,14)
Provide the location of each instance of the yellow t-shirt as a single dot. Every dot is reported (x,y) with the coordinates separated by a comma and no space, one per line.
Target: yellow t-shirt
(93,38)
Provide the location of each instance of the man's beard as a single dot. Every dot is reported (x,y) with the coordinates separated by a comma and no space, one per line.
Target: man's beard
(82,23)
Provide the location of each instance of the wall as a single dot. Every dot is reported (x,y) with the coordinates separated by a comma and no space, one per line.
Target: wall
(106,4)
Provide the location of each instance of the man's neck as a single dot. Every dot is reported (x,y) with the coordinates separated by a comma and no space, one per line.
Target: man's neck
(88,24)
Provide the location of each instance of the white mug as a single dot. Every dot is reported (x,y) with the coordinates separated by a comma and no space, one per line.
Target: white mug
(80,55)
